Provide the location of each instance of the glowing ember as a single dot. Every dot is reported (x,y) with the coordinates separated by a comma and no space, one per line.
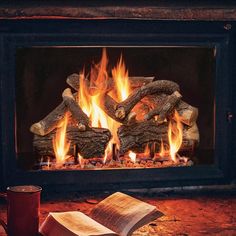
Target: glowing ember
(175,136)
(60,144)
(132,156)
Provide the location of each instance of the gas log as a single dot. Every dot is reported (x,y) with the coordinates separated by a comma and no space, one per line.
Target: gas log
(187,113)
(51,121)
(109,104)
(155,87)
(90,143)
(162,97)
(77,113)
(120,111)
(166,108)
(137,135)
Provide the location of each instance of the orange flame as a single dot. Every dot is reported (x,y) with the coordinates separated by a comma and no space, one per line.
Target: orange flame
(132,156)
(81,161)
(91,96)
(147,151)
(60,145)
(162,150)
(121,79)
(175,136)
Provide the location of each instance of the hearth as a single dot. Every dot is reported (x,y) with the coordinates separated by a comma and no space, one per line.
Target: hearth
(115,103)
(111,122)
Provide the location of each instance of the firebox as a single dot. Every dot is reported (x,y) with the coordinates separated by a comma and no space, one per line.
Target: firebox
(113,119)
(116,103)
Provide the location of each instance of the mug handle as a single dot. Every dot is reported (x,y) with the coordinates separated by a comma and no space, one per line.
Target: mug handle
(2,223)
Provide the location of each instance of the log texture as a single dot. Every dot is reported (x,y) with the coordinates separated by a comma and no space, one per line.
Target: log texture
(136,136)
(90,143)
(77,113)
(51,121)
(188,114)
(109,104)
(156,87)
(166,108)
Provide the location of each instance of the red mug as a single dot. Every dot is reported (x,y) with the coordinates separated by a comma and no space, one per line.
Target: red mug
(22,210)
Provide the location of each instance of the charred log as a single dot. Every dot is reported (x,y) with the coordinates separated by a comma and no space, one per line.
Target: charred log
(156,87)
(51,121)
(136,136)
(166,108)
(90,143)
(188,114)
(76,111)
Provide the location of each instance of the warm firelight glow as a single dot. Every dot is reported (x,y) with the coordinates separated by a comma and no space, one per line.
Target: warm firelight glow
(121,79)
(147,151)
(175,136)
(81,161)
(60,144)
(92,91)
(162,150)
(132,156)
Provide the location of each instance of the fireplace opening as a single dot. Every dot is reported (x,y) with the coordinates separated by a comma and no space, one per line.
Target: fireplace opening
(91,108)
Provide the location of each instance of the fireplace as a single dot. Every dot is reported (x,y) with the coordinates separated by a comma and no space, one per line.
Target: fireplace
(143,103)
(114,120)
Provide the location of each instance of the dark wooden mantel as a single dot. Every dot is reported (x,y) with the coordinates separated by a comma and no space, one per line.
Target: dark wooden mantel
(155,10)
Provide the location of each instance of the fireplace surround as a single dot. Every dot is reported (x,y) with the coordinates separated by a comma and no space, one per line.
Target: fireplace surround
(42,28)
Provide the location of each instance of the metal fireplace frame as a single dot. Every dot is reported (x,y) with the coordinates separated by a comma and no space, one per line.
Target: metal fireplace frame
(221,35)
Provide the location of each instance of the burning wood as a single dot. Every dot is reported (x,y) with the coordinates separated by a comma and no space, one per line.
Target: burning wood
(50,122)
(90,143)
(166,109)
(156,87)
(135,136)
(76,111)
(104,116)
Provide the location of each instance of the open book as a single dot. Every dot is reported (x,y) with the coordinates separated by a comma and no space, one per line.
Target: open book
(118,214)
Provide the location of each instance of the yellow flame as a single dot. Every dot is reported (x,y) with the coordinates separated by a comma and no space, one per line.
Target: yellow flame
(162,149)
(91,96)
(121,79)
(81,161)
(147,151)
(60,144)
(132,156)
(175,136)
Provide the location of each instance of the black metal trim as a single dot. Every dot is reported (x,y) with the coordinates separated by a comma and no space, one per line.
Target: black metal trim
(14,34)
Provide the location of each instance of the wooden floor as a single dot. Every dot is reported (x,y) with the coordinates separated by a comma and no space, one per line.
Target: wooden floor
(184,215)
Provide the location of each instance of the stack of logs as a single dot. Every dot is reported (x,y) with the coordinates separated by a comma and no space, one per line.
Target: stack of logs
(143,117)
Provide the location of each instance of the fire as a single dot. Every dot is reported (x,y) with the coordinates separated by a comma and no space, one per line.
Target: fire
(147,151)
(60,144)
(121,79)
(91,95)
(132,156)
(81,161)
(175,136)
(162,150)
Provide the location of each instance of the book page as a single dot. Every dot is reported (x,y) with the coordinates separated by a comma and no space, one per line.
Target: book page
(124,214)
(73,223)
